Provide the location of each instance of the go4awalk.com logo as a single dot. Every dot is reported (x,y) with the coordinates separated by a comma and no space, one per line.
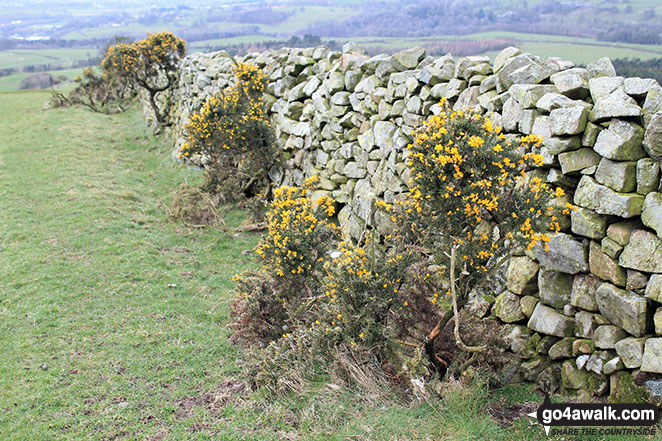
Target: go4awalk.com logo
(597,418)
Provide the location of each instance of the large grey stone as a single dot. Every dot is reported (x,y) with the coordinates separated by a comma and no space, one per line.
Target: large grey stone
(643,252)
(383,133)
(620,232)
(601,68)
(578,160)
(591,134)
(354,170)
(335,82)
(631,351)
(651,216)
(584,287)
(654,288)
(368,84)
(639,87)
(620,176)
(606,336)
(468,98)
(636,281)
(507,307)
(561,349)
(604,266)
(621,142)
(604,200)
(454,88)
(512,64)
(364,201)
(532,73)
(653,103)
(611,248)
(529,94)
(408,58)
(568,120)
(603,86)
(560,144)
(588,223)
(512,113)
(653,137)
(648,175)
(617,104)
(504,56)
(522,275)
(551,101)
(554,288)
(657,321)
(652,358)
(571,82)
(623,308)
(547,321)
(565,254)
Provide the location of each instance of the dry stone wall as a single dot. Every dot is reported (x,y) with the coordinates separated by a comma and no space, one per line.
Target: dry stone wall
(589,311)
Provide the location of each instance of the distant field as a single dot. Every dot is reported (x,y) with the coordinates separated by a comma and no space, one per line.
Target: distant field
(11,82)
(578,50)
(306,16)
(201,45)
(303,17)
(57,57)
(110,31)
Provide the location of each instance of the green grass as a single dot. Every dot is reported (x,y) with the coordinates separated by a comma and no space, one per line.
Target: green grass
(204,44)
(10,82)
(578,50)
(301,19)
(57,57)
(113,318)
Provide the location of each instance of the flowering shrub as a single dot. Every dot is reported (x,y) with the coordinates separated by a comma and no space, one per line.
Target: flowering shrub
(315,295)
(232,134)
(293,255)
(102,92)
(471,192)
(299,233)
(474,200)
(150,64)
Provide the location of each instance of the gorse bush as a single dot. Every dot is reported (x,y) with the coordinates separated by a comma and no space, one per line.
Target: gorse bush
(475,199)
(293,255)
(299,232)
(471,191)
(102,91)
(314,295)
(232,136)
(150,64)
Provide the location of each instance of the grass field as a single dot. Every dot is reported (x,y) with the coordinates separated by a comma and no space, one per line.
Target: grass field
(57,57)
(301,18)
(10,82)
(112,317)
(578,50)
(201,45)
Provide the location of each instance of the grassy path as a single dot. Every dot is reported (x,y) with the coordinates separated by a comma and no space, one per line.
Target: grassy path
(93,342)
(97,342)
